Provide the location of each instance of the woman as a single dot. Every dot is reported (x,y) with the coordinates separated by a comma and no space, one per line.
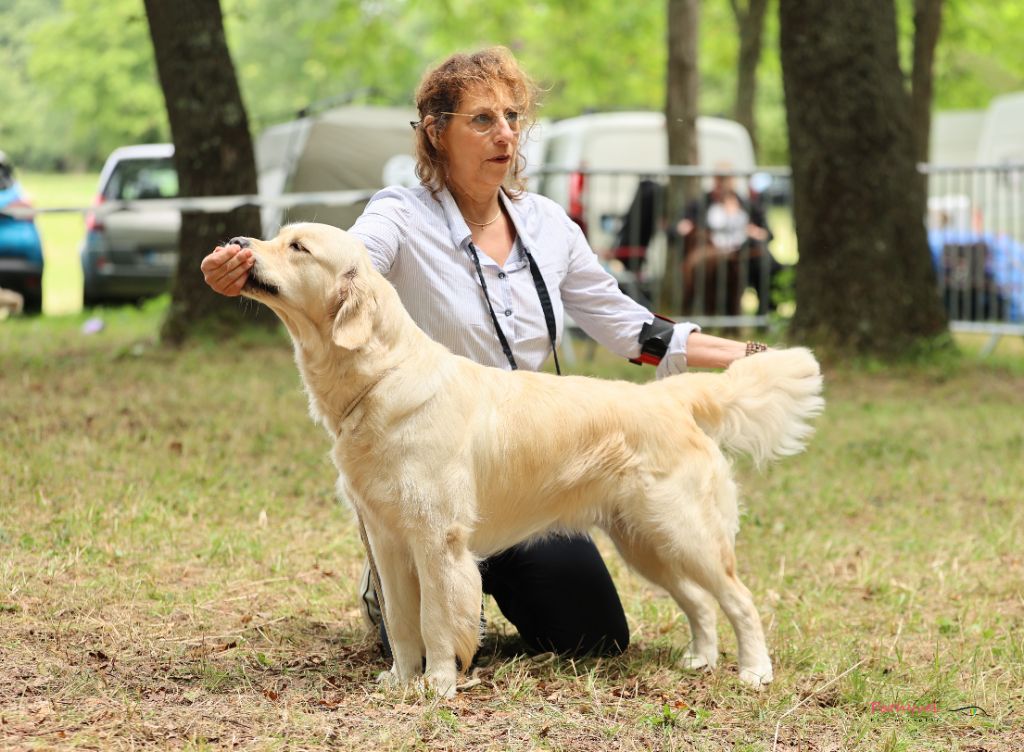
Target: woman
(725,234)
(472,256)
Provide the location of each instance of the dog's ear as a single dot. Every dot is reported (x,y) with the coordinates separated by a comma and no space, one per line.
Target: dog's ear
(353,322)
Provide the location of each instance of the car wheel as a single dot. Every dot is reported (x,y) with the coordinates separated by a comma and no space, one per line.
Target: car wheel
(90,300)
(33,304)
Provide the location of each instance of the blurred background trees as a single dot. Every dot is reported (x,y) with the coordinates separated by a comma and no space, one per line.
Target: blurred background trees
(79,78)
(213,152)
(861,79)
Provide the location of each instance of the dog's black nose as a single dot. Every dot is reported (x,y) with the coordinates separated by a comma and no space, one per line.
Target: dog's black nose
(243,242)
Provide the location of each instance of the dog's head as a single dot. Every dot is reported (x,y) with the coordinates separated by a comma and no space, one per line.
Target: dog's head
(318,280)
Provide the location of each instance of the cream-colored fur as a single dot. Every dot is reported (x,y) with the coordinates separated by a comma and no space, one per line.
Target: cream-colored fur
(11,302)
(447,461)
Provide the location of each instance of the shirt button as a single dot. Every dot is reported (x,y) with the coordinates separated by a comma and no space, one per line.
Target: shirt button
(501,275)
(508,311)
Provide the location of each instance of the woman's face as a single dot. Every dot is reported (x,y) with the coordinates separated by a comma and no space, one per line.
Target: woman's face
(481,139)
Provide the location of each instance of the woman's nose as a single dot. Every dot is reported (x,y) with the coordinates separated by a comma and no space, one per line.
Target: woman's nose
(503,132)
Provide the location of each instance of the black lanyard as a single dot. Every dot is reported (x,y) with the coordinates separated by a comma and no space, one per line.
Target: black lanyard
(545,304)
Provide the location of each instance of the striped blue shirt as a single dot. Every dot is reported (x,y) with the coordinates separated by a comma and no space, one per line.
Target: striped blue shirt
(422,246)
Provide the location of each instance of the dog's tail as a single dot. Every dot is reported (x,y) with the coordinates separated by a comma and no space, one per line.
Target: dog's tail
(760,405)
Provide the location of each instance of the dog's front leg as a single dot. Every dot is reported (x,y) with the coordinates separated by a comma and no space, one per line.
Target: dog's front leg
(394,563)
(450,605)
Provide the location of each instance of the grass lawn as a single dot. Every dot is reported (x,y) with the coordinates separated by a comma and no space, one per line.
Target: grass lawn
(175,571)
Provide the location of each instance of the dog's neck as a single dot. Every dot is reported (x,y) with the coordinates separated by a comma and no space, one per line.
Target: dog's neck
(340,382)
(335,383)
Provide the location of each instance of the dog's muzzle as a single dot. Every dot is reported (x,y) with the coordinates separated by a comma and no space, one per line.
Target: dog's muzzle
(255,282)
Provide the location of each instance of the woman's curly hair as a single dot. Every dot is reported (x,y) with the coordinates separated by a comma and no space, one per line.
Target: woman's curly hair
(442,89)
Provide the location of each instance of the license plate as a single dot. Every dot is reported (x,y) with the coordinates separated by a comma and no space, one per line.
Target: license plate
(161,258)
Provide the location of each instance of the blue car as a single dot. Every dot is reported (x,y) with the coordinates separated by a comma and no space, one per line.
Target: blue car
(21,252)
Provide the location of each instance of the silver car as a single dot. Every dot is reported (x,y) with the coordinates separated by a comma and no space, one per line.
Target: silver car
(128,256)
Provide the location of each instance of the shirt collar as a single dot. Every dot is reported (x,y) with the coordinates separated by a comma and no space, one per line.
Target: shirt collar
(456,224)
(460,231)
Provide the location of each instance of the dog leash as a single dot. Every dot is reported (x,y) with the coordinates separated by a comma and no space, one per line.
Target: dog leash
(545,304)
(374,574)
(375,577)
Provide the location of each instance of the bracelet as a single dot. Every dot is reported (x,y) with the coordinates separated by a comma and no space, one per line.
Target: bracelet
(755,347)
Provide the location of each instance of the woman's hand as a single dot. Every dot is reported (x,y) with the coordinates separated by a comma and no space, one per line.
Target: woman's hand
(226,269)
(754,232)
(684,227)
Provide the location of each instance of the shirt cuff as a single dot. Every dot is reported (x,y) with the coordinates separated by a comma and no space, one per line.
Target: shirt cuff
(674,360)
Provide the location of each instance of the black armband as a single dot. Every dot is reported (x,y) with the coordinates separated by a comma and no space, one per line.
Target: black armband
(654,340)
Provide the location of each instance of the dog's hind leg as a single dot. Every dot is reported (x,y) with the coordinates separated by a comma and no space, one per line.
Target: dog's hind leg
(450,606)
(705,535)
(691,523)
(710,559)
(754,664)
(697,603)
(401,602)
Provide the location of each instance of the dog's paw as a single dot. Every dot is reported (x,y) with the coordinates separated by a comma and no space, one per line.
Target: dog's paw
(389,678)
(694,662)
(756,677)
(441,684)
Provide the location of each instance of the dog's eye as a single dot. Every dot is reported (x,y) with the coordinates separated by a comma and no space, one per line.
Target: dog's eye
(297,246)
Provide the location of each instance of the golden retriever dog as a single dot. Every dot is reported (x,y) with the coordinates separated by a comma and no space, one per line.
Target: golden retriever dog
(447,461)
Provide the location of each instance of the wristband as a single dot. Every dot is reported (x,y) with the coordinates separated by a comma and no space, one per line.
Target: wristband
(654,340)
(755,347)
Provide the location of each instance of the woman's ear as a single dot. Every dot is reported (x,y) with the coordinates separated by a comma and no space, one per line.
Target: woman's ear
(430,127)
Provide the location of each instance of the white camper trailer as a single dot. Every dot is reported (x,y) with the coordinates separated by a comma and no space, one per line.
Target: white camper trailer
(347,148)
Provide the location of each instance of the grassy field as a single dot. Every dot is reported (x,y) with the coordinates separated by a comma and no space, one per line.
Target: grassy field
(175,572)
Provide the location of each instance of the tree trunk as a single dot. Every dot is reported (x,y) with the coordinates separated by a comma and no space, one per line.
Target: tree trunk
(750,22)
(682,83)
(927,26)
(865,282)
(213,154)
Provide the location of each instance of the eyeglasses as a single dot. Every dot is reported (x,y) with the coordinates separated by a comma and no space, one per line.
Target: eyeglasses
(485,122)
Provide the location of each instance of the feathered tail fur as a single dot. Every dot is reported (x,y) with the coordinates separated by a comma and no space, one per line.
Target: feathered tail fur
(760,405)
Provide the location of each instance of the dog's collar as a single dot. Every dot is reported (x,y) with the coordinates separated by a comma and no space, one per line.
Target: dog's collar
(362,395)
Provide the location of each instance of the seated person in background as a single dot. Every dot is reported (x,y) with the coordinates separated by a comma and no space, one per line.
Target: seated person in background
(725,234)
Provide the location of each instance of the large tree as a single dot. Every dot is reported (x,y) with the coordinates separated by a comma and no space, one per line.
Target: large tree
(927,27)
(213,153)
(865,283)
(682,85)
(750,23)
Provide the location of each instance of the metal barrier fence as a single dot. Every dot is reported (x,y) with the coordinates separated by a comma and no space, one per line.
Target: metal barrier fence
(976,234)
(725,264)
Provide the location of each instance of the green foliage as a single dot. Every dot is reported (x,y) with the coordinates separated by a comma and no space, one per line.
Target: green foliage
(978,56)
(79,78)
(96,63)
(29,121)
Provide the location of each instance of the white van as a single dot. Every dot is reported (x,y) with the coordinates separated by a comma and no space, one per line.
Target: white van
(982,185)
(633,142)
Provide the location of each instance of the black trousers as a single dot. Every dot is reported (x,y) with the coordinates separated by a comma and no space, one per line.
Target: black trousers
(558,594)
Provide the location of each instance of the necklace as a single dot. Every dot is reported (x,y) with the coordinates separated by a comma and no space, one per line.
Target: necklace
(490,221)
